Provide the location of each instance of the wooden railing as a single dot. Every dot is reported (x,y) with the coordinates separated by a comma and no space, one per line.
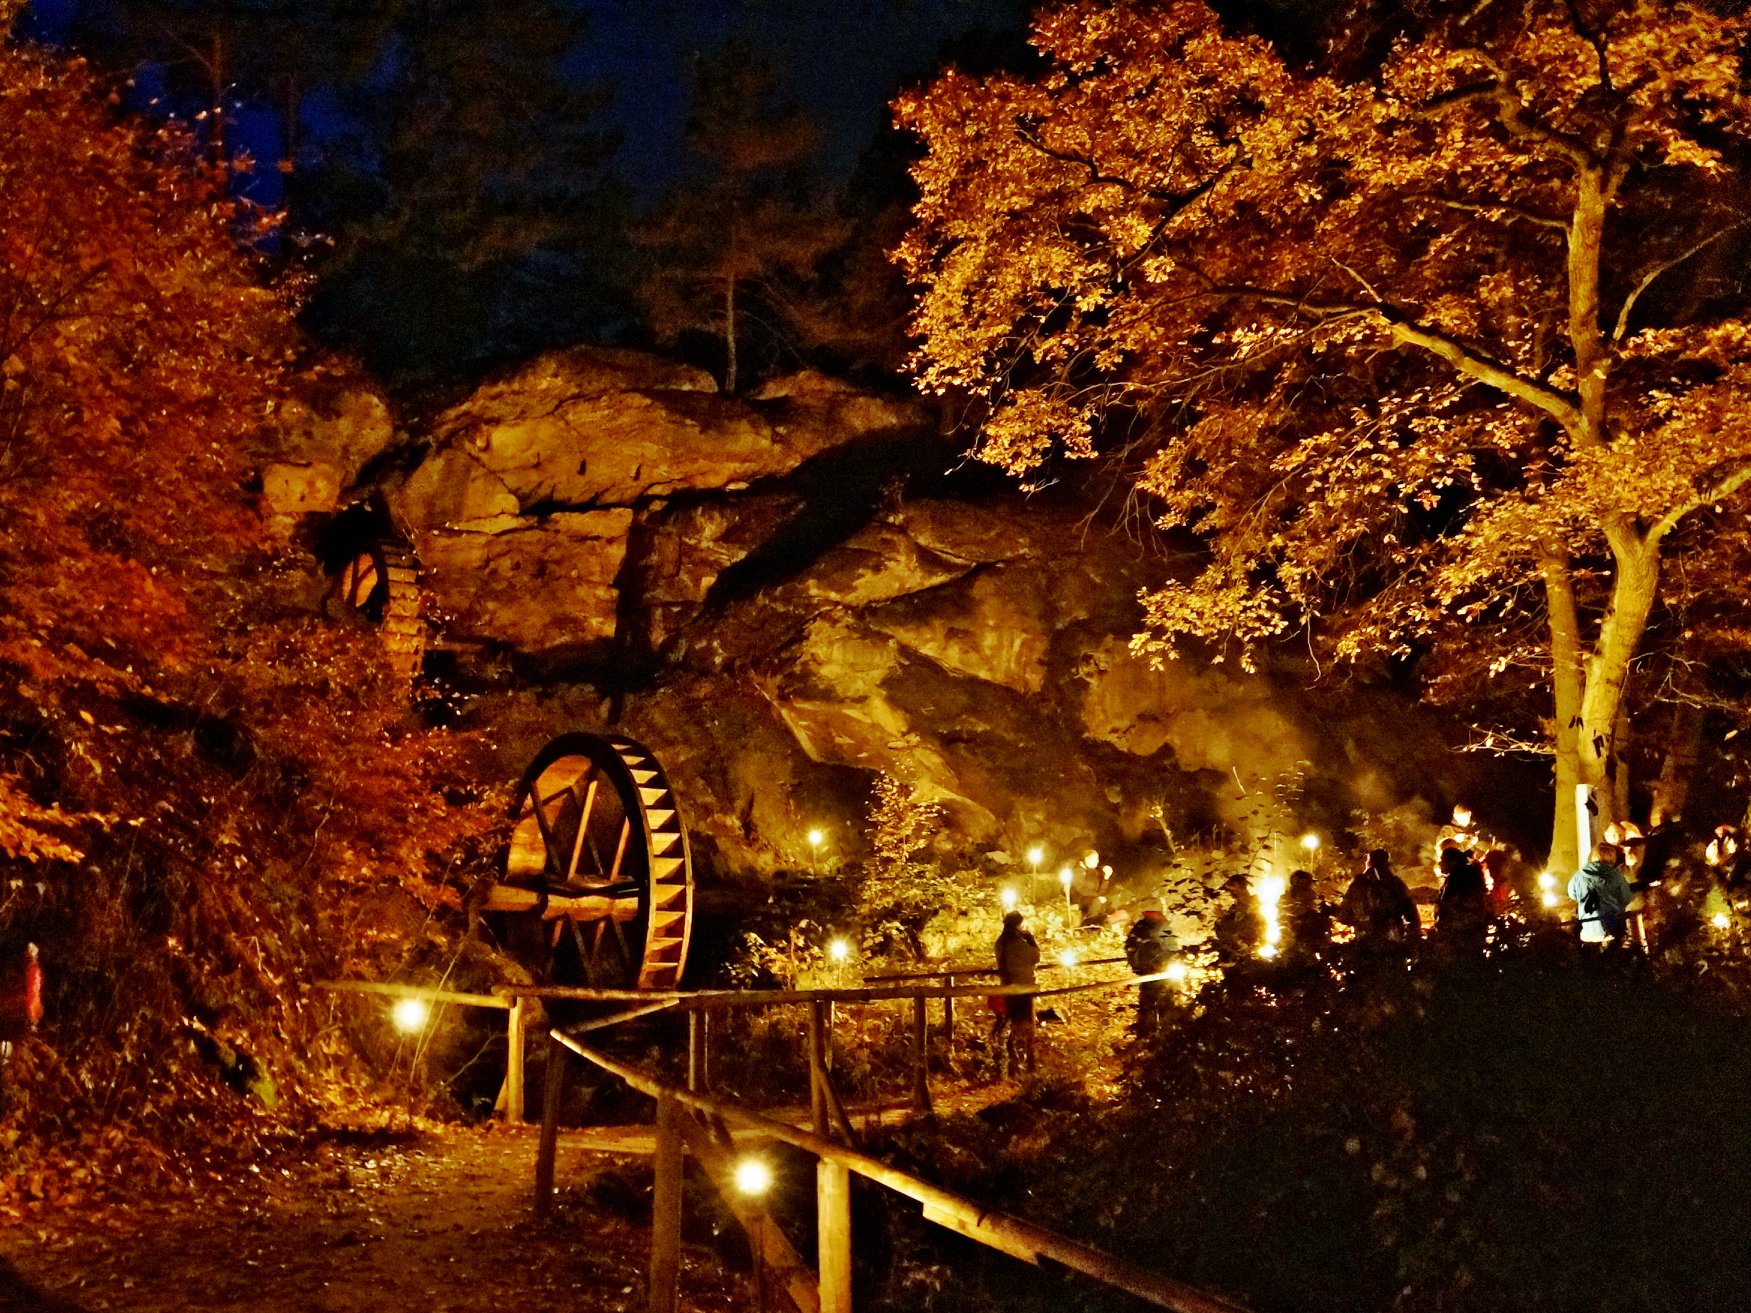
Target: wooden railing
(691,1122)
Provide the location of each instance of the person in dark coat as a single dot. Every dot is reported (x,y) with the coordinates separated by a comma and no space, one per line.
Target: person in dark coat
(1018,956)
(1149,947)
(1379,904)
(1462,911)
(1239,930)
(1308,922)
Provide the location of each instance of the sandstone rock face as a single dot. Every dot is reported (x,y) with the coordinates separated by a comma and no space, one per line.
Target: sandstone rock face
(533,585)
(612,517)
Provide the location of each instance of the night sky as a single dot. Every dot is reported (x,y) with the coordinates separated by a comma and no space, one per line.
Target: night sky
(841,59)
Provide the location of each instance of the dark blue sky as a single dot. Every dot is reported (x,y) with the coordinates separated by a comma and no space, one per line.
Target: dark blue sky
(842,60)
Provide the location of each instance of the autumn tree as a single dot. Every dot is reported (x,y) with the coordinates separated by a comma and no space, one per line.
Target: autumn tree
(724,246)
(1417,339)
(202,787)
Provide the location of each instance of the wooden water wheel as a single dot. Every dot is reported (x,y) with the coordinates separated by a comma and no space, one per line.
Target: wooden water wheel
(380,585)
(599,855)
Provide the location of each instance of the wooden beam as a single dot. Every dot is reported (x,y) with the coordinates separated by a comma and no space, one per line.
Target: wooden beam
(761,998)
(818,1043)
(833,1235)
(920,1057)
(553,1094)
(665,1283)
(424,992)
(580,907)
(514,1063)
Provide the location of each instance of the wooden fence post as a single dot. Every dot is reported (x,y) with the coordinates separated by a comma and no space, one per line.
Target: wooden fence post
(666,1209)
(553,1094)
(693,1064)
(818,1049)
(514,1063)
(920,1056)
(948,1024)
(833,1214)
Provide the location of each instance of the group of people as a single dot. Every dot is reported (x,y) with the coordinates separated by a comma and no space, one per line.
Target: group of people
(1476,886)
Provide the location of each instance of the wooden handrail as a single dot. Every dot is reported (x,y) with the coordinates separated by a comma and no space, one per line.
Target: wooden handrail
(734,998)
(996,1230)
(948,973)
(425,993)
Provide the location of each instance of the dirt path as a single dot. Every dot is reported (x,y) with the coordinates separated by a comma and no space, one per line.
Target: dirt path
(440,1224)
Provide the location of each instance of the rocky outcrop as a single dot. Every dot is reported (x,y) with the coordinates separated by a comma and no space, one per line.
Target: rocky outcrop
(781,621)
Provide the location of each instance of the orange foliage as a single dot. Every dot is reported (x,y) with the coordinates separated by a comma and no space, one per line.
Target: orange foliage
(197,778)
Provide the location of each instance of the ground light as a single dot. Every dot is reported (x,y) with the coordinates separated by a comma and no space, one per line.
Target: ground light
(1008,897)
(1067,958)
(1176,971)
(753,1179)
(1721,920)
(817,837)
(1065,878)
(1310,842)
(410,1015)
(839,950)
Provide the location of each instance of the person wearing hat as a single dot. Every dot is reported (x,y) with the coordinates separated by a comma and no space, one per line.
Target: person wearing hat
(1018,955)
(1149,947)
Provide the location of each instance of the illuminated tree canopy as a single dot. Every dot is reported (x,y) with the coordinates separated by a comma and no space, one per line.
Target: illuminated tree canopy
(1421,340)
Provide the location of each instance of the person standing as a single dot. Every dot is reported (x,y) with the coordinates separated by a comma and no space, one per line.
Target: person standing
(1309,923)
(1149,947)
(1601,892)
(1379,905)
(1018,957)
(1462,912)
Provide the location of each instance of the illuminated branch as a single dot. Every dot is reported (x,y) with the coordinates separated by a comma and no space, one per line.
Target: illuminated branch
(1648,278)
(1725,487)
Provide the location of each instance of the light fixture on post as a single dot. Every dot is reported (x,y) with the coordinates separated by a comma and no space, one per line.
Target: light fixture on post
(1065,877)
(839,950)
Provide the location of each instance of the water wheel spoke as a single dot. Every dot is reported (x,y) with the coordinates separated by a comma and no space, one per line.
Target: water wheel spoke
(589,805)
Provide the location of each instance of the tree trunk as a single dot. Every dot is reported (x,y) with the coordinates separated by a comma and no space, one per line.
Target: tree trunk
(1566,685)
(1633,587)
(730,319)
(1672,789)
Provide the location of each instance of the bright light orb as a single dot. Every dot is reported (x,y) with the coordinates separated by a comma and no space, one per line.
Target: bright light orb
(1065,877)
(1721,920)
(753,1177)
(1176,971)
(1310,842)
(1036,855)
(1268,950)
(1008,897)
(817,837)
(839,950)
(410,1015)
(1067,958)
(1546,880)
(1548,898)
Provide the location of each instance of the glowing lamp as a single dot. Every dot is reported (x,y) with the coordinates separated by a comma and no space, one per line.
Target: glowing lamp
(1546,880)
(1065,877)
(753,1177)
(1008,897)
(410,1015)
(1548,898)
(839,950)
(1273,933)
(1176,971)
(1267,950)
(1067,958)
(817,837)
(1036,855)
(1310,842)
(1721,920)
